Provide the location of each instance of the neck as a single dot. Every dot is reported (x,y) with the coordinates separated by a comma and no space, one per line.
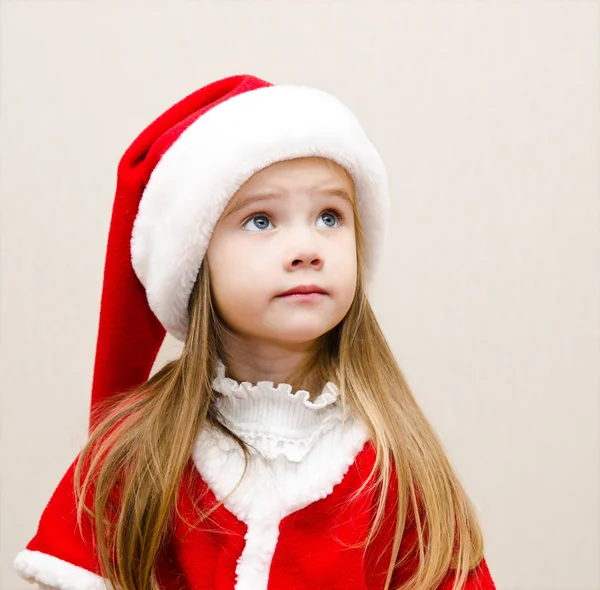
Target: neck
(256,360)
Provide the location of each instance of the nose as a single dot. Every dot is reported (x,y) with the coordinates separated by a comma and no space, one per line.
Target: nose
(303,249)
(308,259)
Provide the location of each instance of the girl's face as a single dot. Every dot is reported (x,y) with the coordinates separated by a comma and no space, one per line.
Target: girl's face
(289,225)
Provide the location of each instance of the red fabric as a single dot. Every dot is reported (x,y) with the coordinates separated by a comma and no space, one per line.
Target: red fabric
(313,550)
(129,335)
(57,532)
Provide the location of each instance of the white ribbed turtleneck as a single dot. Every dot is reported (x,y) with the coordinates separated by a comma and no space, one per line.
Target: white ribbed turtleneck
(273,420)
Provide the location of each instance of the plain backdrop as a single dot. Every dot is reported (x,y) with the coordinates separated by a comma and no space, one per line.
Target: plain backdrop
(487,115)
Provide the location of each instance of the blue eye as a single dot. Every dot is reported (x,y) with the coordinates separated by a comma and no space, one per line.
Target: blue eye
(257,222)
(331,216)
(260,221)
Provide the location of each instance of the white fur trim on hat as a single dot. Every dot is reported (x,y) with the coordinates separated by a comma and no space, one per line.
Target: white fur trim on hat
(197,176)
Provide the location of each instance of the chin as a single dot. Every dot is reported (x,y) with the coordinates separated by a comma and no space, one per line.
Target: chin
(300,338)
(300,334)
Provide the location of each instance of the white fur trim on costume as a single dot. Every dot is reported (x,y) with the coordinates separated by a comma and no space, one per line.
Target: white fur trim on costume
(196,177)
(52,572)
(272,489)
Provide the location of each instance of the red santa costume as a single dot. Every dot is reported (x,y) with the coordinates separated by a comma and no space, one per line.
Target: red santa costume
(292,522)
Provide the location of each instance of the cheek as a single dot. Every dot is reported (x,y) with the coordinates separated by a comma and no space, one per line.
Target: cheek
(236,275)
(348,288)
(343,259)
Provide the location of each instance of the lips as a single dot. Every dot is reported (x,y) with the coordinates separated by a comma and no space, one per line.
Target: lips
(303,290)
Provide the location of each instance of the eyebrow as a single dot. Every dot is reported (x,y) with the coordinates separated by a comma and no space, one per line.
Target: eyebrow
(250,199)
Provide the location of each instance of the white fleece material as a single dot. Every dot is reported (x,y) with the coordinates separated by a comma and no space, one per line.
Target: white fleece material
(196,177)
(53,573)
(279,479)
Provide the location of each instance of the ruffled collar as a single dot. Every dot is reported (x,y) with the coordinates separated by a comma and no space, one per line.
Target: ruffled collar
(274,421)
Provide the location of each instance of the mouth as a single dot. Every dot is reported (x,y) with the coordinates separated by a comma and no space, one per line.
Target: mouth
(303,290)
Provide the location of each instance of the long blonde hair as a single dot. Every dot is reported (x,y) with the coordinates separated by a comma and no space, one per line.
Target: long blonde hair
(143,441)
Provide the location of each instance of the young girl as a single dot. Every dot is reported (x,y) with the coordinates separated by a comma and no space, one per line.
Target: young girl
(283,449)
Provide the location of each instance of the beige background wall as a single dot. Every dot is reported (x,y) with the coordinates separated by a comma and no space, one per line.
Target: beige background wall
(487,114)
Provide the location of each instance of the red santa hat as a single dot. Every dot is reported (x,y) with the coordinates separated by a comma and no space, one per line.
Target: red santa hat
(175,180)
